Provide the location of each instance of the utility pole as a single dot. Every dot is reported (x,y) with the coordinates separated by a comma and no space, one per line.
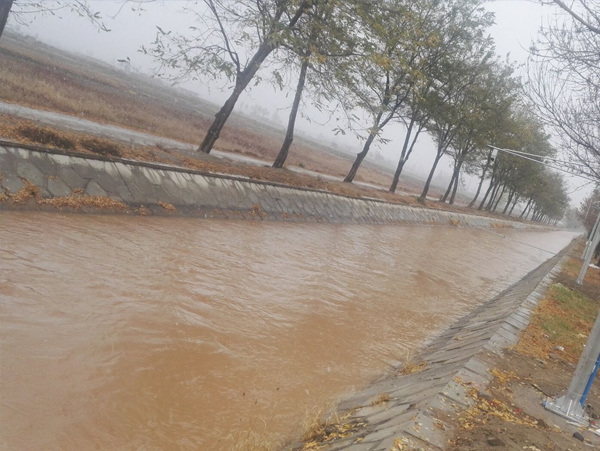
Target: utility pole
(590,246)
(572,404)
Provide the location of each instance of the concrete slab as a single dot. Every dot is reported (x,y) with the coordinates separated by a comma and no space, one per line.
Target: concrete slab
(43,163)
(12,183)
(61,160)
(8,162)
(378,435)
(71,178)
(58,188)
(429,430)
(93,189)
(27,170)
(390,412)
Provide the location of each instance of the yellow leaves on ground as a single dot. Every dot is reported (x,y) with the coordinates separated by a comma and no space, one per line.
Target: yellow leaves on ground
(413,368)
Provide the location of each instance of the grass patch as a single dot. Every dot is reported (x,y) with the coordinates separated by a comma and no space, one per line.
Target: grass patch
(564,318)
(484,409)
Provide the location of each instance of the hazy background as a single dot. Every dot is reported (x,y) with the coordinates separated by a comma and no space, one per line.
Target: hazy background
(134,24)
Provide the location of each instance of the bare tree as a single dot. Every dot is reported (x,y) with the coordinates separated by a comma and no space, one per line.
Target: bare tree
(564,81)
(23,11)
(231,39)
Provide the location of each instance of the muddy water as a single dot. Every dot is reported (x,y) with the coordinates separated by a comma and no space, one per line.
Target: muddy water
(163,333)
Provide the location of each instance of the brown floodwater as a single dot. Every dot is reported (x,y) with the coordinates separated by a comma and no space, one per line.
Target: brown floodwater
(129,333)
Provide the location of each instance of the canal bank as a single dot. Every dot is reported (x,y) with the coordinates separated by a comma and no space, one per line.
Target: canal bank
(36,178)
(417,406)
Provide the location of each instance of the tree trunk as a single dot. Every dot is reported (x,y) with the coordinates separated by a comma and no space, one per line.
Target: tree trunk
(5,6)
(478,191)
(450,185)
(402,160)
(526,208)
(423,195)
(359,159)
(361,155)
(242,81)
(528,211)
(508,201)
(499,198)
(514,205)
(453,197)
(487,165)
(492,196)
(289,135)
(487,193)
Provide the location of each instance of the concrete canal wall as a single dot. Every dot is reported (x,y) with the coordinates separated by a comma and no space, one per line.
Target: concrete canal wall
(82,182)
(421,405)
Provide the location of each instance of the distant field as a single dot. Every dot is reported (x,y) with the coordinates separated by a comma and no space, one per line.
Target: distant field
(39,76)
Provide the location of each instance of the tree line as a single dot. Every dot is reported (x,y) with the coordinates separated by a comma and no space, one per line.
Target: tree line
(429,65)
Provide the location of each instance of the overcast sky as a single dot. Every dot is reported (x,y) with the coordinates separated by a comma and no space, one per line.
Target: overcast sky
(517,24)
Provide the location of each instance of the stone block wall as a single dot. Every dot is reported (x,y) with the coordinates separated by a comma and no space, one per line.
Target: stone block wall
(164,189)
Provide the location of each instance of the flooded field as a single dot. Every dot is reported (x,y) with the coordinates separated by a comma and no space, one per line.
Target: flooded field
(127,333)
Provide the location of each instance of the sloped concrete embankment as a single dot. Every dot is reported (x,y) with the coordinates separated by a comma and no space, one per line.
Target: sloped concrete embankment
(454,362)
(163,189)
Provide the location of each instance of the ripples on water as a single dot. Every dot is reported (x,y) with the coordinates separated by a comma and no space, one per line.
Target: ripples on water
(170,333)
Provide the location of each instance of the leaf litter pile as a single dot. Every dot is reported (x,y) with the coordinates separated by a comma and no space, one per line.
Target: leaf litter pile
(75,201)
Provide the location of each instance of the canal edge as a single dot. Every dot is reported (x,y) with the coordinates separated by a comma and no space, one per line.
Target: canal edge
(453,363)
(37,178)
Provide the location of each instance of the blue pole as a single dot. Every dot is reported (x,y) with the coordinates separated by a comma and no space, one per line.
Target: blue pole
(589,383)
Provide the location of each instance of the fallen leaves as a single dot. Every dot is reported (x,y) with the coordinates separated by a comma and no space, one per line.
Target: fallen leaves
(327,431)
(402,444)
(381,399)
(413,368)
(167,206)
(483,409)
(74,201)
